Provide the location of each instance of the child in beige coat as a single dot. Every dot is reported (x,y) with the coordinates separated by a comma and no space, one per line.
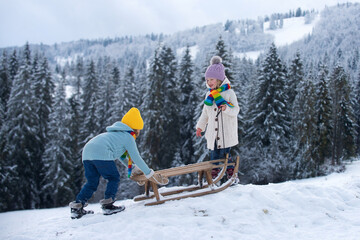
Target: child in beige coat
(219,114)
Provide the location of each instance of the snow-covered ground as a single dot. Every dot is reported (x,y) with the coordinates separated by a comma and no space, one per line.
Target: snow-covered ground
(294,29)
(325,208)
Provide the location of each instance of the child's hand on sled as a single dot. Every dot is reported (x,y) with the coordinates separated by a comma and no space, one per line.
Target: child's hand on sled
(198,132)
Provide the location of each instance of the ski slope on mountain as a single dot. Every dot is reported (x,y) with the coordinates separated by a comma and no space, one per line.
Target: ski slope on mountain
(319,208)
(294,29)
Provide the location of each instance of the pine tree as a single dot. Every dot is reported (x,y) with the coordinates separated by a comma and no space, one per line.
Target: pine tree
(323,106)
(117,108)
(226,58)
(6,170)
(245,75)
(21,138)
(90,98)
(130,95)
(43,89)
(188,108)
(160,109)
(106,94)
(357,112)
(13,67)
(269,126)
(269,114)
(140,77)
(199,93)
(305,126)
(5,83)
(75,128)
(296,75)
(342,116)
(170,110)
(154,120)
(57,156)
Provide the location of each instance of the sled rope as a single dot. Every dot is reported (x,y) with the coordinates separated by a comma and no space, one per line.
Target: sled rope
(222,126)
(126,155)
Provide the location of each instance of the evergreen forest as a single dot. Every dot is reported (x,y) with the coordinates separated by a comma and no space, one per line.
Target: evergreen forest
(299,104)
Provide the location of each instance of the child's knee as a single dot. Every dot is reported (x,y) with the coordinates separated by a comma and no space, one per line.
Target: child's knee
(115,177)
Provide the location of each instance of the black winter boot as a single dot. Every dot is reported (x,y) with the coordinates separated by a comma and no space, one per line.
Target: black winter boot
(77,210)
(108,207)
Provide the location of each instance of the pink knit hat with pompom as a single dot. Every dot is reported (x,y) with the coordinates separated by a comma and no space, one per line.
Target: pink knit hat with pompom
(216,69)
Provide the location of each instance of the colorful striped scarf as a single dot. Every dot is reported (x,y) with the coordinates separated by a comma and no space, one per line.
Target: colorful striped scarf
(215,95)
(126,155)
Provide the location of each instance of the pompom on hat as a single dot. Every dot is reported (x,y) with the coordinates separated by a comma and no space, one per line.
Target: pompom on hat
(216,69)
(133,119)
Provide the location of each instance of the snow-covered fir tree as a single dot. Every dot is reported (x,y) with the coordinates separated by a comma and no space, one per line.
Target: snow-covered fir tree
(7,169)
(170,110)
(43,89)
(21,138)
(57,156)
(357,112)
(5,83)
(116,109)
(268,118)
(188,108)
(270,112)
(13,66)
(152,109)
(343,138)
(305,129)
(106,93)
(160,109)
(130,91)
(222,51)
(75,127)
(245,73)
(200,148)
(90,98)
(296,75)
(323,106)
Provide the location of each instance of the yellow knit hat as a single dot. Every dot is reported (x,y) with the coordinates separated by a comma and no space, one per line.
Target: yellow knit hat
(133,119)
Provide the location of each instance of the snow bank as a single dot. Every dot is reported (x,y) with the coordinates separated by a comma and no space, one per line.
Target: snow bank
(320,208)
(294,29)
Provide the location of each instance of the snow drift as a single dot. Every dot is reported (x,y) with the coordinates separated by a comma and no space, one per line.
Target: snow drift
(319,208)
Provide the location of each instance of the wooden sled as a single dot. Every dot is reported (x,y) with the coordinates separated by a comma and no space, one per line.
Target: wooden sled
(203,169)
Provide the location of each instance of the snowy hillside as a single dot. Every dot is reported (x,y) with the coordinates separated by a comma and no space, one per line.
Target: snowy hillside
(294,29)
(320,208)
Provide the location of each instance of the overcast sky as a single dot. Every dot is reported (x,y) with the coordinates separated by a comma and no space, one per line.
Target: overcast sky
(55,21)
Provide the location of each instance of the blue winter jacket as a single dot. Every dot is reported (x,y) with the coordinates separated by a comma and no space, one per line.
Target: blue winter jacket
(113,143)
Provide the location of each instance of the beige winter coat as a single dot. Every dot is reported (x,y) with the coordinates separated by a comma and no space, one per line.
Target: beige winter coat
(226,120)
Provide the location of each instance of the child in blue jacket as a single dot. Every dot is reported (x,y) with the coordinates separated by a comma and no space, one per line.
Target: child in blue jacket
(99,155)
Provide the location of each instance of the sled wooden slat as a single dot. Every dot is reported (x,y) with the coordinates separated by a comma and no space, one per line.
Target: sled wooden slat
(203,169)
(191,168)
(201,192)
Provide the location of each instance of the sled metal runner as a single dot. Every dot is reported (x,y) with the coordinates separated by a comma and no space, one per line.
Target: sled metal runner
(204,171)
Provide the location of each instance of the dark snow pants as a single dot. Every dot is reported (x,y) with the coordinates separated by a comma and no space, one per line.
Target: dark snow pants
(93,170)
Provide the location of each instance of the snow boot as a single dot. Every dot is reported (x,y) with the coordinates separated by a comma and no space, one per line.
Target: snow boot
(229,172)
(215,172)
(107,205)
(77,210)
